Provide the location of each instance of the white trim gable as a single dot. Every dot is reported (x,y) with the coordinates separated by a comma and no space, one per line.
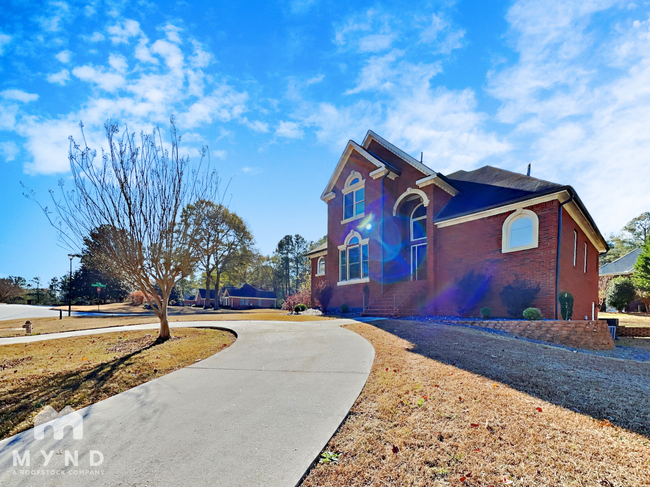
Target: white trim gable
(352,145)
(370,136)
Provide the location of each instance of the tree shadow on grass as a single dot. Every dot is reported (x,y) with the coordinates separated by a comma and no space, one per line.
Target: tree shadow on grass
(76,388)
(601,387)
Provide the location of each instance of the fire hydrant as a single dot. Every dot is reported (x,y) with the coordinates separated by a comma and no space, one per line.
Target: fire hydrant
(28,327)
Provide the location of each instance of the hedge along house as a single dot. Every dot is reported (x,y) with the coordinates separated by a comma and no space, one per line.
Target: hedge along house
(404,239)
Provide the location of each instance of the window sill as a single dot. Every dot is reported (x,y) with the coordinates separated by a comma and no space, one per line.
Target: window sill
(353,281)
(353,218)
(318,275)
(517,249)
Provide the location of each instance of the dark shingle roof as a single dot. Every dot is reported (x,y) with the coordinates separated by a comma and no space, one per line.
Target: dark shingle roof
(248,291)
(318,249)
(624,265)
(202,293)
(490,187)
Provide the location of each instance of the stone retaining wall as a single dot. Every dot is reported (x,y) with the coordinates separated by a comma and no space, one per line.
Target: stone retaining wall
(632,331)
(588,335)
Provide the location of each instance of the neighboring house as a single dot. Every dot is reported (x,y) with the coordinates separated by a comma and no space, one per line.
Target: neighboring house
(200,297)
(247,297)
(623,266)
(401,236)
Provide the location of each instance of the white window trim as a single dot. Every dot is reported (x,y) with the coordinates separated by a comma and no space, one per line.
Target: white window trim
(575,248)
(318,273)
(350,189)
(421,239)
(585,267)
(505,231)
(344,247)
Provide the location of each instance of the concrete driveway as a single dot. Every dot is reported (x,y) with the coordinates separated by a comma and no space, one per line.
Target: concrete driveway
(256,414)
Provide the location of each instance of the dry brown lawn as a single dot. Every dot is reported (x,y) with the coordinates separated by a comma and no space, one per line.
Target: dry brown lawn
(627,319)
(80,371)
(447,405)
(10,328)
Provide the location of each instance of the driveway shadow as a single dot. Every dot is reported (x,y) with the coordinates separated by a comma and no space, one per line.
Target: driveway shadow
(601,387)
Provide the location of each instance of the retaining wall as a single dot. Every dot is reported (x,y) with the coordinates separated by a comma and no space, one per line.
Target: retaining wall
(588,335)
(633,331)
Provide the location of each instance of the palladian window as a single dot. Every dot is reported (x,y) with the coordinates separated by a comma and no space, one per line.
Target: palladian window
(520,231)
(354,196)
(353,259)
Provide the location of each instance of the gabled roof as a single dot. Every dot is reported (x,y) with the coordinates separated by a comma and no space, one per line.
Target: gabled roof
(201,293)
(321,248)
(370,136)
(248,291)
(489,187)
(623,265)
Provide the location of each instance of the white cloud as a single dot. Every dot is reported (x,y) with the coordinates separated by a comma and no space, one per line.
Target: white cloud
(4,40)
(289,130)
(99,76)
(251,170)
(18,95)
(255,125)
(64,56)
(171,54)
(96,37)
(61,77)
(117,62)
(142,52)
(9,151)
(441,35)
(371,32)
(172,33)
(580,103)
(121,32)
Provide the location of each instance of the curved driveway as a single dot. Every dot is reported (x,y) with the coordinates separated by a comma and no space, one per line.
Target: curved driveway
(255,414)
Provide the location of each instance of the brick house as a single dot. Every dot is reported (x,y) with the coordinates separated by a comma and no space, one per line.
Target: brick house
(247,297)
(404,239)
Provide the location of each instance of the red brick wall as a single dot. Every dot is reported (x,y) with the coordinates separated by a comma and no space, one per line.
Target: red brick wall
(588,335)
(317,281)
(633,331)
(476,245)
(583,287)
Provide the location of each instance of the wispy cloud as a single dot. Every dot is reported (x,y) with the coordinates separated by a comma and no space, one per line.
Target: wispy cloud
(64,56)
(121,32)
(61,77)
(4,40)
(251,171)
(289,130)
(9,150)
(18,95)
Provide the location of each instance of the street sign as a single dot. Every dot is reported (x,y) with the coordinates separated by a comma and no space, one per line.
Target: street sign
(99,287)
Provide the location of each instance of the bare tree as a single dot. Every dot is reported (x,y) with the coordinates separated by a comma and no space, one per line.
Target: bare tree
(11,287)
(131,203)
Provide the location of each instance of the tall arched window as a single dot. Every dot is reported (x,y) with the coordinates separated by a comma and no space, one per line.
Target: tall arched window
(419,223)
(520,231)
(354,196)
(353,259)
(320,266)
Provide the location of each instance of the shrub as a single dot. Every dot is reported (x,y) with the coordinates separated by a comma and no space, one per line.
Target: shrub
(518,296)
(299,308)
(486,313)
(301,297)
(470,291)
(533,314)
(620,293)
(345,308)
(136,298)
(566,305)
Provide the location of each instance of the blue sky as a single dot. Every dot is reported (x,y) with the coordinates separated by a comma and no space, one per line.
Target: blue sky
(276,88)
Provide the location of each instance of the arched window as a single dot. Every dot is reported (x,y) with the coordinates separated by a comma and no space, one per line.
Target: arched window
(419,223)
(320,266)
(520,231)
(354,196)
(353,259)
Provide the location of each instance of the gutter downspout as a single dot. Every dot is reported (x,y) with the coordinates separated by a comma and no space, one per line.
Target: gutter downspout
(557,263)
(381,230)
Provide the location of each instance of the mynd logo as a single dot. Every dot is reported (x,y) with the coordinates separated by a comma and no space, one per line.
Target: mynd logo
(60,424)
(48,417)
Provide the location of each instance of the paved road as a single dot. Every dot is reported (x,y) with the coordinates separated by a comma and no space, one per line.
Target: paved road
(15,311)
(256,414)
